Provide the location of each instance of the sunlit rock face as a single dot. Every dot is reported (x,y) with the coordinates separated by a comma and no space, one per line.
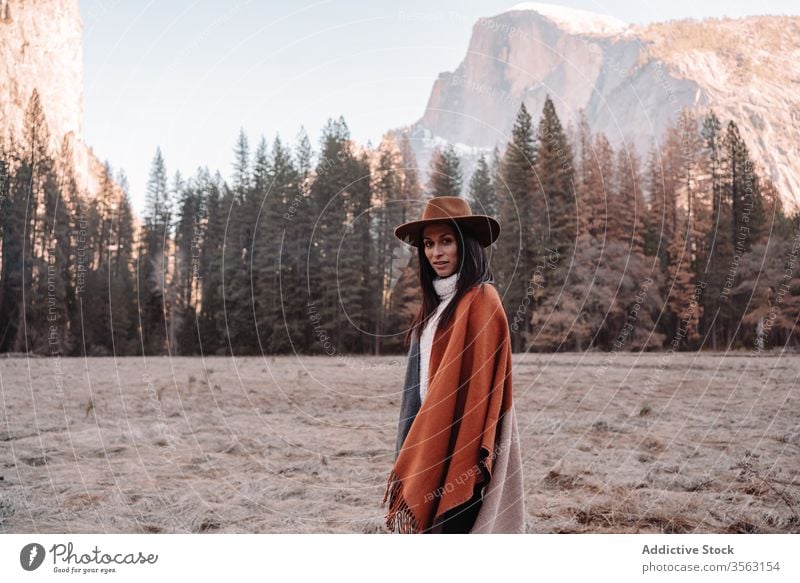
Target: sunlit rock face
(630,80)
(41,48)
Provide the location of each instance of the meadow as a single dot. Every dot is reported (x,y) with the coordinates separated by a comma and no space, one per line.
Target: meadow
(622,443)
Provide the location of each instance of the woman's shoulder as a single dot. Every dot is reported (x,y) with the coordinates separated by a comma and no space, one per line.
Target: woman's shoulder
(484,307)
(484,296)
(485,291)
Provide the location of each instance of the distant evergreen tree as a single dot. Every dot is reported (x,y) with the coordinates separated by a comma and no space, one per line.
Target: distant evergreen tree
(555,169)
(47,298)
(12,221)
(108,310)
(680,288)
(741,180)
(152,259)
(388,204)
(405,296)
(296,226)
(412,190)
(188,240)
(237,320)
(519,208)
(123,289)
(481,189)
(584,159)
(66,238)
(654,218)
(211,338)
(446,178)
(359,289)
(691,176)
(329,207)
(599,196)
(265,258)
(241,167)
(35,186)
(281,189)
(717,313)
(742,185)
(558,216)
(96,305)
(627,208)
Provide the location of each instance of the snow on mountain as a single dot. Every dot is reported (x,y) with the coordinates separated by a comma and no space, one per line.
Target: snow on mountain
(575,21)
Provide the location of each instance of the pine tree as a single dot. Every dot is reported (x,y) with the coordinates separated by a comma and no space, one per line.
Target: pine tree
(297,224)
(412,190)
(482,190)
(405,292)
(152,266)
(445,176)
(96,307)
(518,207)
(681,286)
(654,219)
(265,258)
(241,166)
(558,220)
(355,258)
(627,208)
(188,237)
(123,290)
(34,184)
(46,299)
(584,174)
(742,182)
(269,269)
(66,238)
(13,217)
(329,208)
(212,338)
(717,312)
(599,193)
(682,152)
(555,170)
(387,196)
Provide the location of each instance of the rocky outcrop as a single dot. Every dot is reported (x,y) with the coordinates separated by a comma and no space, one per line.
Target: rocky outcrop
(41,48)
(630,80)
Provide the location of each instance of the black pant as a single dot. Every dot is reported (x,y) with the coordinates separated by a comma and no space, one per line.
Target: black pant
(459,520)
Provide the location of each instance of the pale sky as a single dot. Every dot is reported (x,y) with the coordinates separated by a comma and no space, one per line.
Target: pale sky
(186,75)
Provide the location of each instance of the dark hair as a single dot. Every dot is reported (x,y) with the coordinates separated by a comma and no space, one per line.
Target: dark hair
(473,268)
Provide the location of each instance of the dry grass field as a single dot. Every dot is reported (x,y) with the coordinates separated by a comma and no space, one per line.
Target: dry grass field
(626,443)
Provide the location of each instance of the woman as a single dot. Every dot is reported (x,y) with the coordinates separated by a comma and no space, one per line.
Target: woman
(458,467)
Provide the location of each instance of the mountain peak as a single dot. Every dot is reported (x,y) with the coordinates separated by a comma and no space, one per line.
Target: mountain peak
(574,20)
(630,89)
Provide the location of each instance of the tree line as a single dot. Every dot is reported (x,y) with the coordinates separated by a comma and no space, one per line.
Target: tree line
(295,251)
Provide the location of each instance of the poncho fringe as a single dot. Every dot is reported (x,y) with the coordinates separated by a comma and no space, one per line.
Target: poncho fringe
(399,517)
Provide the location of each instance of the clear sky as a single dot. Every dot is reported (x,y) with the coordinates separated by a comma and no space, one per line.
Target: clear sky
(185,75)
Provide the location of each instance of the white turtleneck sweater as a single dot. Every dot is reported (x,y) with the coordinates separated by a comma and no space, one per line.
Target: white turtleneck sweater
(445,289)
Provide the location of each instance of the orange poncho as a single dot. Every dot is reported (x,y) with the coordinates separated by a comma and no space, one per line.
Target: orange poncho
(456,438)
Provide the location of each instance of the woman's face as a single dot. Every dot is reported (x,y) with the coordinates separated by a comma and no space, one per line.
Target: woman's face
(441,248)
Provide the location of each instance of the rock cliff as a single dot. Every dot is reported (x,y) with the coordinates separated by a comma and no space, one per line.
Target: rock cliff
(41,48)
(630,80)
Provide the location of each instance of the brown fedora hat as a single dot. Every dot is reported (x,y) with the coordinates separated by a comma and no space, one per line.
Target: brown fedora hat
(450,208)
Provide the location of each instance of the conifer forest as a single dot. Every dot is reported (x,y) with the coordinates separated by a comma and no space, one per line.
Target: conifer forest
(686,248)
